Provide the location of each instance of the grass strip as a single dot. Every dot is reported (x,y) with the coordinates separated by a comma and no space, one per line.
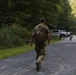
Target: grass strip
(18,50)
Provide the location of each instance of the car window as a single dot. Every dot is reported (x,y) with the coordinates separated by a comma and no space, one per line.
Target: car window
(55,31)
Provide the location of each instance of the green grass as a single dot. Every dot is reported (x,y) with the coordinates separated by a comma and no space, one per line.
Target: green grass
(14,51)
(54,40)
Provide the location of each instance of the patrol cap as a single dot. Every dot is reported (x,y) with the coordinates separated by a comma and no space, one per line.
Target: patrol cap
(42,20)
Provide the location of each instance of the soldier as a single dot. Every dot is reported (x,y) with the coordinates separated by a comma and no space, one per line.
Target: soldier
(41,34)
(71,36)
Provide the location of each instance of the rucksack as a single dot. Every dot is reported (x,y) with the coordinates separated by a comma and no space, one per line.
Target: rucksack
(40,34)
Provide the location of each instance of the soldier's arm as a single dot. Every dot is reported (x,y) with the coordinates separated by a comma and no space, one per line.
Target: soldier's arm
(32,36)
(48,35)
(48,38)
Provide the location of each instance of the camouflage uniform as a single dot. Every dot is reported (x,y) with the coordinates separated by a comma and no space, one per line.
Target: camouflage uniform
(40,45)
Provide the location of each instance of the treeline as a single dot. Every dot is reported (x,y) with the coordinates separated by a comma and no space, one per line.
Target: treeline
(27,13)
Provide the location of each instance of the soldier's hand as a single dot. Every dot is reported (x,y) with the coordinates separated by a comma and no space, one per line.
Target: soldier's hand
(30,44)
(48,43)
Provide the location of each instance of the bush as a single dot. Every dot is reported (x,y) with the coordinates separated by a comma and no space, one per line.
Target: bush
(13,36)
(55,36)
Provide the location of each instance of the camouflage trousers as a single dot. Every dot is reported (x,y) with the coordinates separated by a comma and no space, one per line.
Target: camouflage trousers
(40,53)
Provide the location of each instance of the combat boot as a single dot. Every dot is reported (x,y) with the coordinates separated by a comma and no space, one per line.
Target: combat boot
(38,62)
(38,65)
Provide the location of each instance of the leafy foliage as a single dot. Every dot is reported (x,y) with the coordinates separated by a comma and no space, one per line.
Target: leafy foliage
(26,14)
(13,36)
(64,16)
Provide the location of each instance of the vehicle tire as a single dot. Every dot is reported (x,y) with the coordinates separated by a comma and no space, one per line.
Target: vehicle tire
(63,35)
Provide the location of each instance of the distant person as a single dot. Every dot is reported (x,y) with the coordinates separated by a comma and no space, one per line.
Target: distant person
(40,34)
(60,36)
(71,36)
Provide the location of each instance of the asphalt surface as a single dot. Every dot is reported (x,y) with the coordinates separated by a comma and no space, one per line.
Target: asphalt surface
(60,60)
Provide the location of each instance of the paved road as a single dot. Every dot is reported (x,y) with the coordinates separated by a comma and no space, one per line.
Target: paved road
(60,60)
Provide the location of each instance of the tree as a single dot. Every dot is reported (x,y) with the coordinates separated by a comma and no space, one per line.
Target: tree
(28,12)
(64,16)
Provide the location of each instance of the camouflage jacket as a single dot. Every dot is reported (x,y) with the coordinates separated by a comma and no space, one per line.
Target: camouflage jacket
(40,34)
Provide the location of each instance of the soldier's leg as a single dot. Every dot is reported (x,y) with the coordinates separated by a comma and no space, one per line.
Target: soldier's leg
(40,53)
(40,58)
(38,64)
(37,52)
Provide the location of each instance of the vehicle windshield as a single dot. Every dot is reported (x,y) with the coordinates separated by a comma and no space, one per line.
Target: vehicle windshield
(63,30)
(56,31)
